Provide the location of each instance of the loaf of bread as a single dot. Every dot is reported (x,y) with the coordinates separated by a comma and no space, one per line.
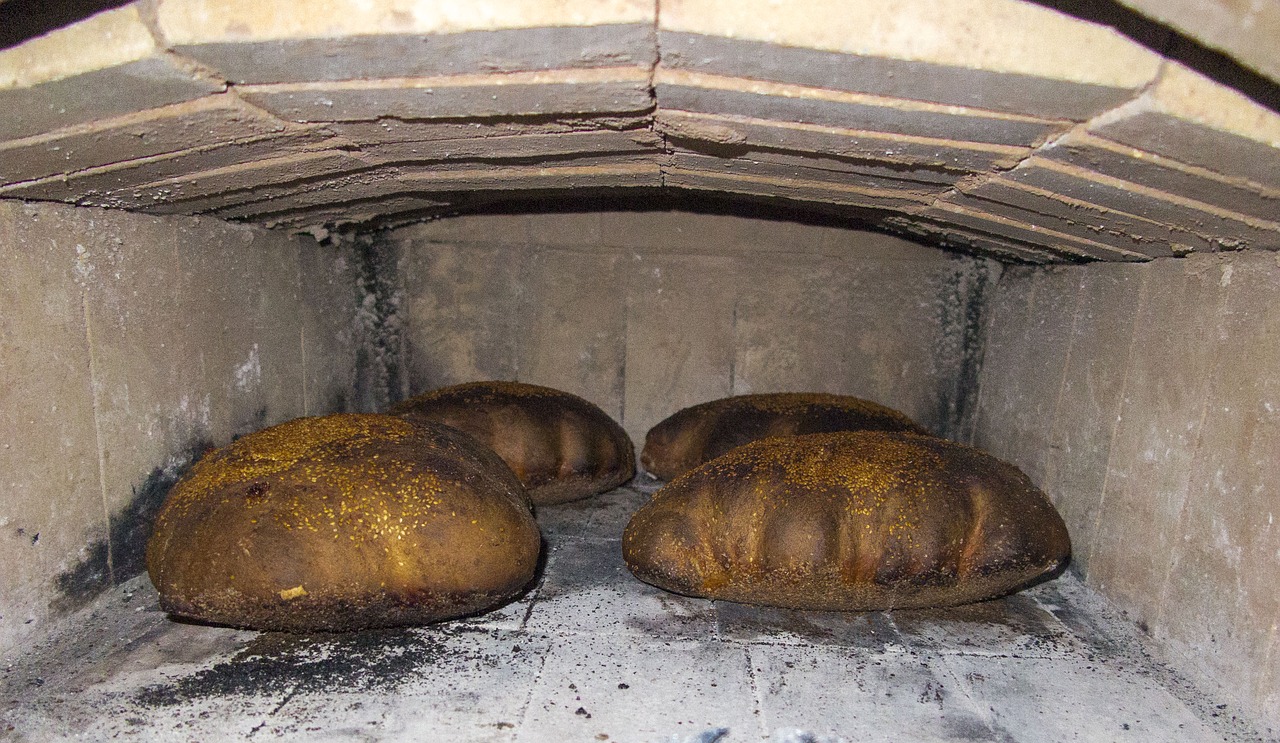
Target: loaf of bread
(703,432)
(848,521)
(560,446)
(343,522)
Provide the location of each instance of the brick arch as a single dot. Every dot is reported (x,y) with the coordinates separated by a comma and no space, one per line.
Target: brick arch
(995,126)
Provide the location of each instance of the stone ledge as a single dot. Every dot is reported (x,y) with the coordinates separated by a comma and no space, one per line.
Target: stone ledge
(714,94)
(1078,219)
(408,56)
(793,189)
(998,226)
(1156,171)
(1006,92)
(1191,119)
(596,91)
(1227,230)
(125,184)
(522,146)
(900,150)
(169,129)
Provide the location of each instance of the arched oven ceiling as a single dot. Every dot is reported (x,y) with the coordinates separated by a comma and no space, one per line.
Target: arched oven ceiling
(998,127)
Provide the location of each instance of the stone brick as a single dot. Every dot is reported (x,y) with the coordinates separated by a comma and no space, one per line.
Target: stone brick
(680,335)
(792,188)
(127,184)
(897,149)
(592,91)
(1191,119)
(376,213)
(817,171)
(807,323)
(1081,219)
(952,237)
(1093,382)
(1154,171)
(1020,389)
(715,94)
(1033,51)
(183,126)
(1156,434)
(386,54)
(461,310)
(248,181)
(817,167)
(991,89)
(389,131)
(243,290)
(573,336)
(606,172)
(1220,605)
(327,290)
(520,146)
(103,67)
(398,37)
(577,230)
(1228,230)
(51,512)
(359,186)
(1027,232)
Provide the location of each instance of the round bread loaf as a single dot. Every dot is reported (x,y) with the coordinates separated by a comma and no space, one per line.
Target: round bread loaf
(560,446)
(343,522)
(703,432)
(846,522)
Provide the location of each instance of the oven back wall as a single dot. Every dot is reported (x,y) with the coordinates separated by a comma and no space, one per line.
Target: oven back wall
(129,344)
(1144,399)
(644,313)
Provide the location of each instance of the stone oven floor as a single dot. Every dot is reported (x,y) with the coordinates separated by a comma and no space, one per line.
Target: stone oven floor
(590,654)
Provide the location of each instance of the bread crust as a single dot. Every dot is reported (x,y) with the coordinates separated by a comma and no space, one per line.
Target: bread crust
(848,521)
(703,432)
(560,446)
(343,522)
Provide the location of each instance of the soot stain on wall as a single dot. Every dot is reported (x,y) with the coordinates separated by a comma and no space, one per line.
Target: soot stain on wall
(120,554)
(964,294)
(380,374)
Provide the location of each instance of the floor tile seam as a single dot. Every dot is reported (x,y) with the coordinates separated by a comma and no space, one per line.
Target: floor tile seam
(757,694)
(984,712)
(887,650)
(527,707)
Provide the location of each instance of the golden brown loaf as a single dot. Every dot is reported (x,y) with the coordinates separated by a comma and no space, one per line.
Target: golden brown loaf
(848,521)
(703,432)
(560,446)
(343,522)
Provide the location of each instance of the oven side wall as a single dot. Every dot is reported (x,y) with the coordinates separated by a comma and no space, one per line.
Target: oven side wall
(128,346)
(1145,400)
(645,313)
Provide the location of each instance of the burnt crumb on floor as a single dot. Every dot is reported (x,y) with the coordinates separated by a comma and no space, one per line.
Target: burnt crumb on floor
(375,661)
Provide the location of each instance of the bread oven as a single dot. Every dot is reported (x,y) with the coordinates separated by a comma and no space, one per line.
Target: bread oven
(1047,229)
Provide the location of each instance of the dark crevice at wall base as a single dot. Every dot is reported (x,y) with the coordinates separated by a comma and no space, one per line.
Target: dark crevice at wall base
(121,554)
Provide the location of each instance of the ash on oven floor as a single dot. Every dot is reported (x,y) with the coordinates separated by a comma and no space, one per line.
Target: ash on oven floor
(591,654)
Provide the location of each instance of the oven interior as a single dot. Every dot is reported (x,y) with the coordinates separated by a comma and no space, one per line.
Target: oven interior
(1045,229)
